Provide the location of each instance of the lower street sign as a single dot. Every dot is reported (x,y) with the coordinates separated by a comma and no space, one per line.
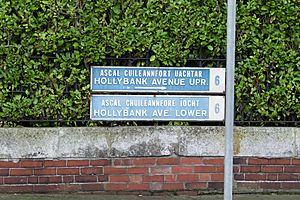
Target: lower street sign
(157,107)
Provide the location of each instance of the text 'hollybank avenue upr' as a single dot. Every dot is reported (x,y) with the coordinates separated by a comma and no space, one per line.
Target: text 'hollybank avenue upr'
(157,81)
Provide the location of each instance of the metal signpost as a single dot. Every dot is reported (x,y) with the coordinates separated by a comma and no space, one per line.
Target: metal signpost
(167,80)
(230,60)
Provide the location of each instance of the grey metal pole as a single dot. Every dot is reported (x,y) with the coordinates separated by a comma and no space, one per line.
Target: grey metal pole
(229,119)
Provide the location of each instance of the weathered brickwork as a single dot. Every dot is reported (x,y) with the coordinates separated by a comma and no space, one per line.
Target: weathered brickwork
(181,175)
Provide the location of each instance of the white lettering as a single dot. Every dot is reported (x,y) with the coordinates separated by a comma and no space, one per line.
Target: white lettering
(160,113)
(96,112)
(110,102)
(191,113)
(198,81)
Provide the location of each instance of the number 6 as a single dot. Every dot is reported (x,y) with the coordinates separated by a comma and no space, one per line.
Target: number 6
(217,108)
(217,80)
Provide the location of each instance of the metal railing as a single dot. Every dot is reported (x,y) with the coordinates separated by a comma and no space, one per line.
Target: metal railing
(245,118)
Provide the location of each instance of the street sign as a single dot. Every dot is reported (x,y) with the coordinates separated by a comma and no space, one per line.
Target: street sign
(157,108)
(157,79)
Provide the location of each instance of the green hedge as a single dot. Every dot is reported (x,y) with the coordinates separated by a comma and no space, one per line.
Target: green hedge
(47,47)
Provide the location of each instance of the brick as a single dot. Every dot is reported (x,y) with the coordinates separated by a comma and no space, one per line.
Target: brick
(236,169)
(102,178)
(16,188)
(272,177)
(136,186)
(115,186)
(9,164)
(161,170)
(78,163)
(196,185)
(292,169)
(115,170)
(168,161)
(248,185)
(205,169)
(33,180)
(92,187)
(290,186)
(84,179)
(173,186)
(250,169)
(31,163)
(238,160)
(21,172)
(220,169)
(214,161)
(204,177)
(296,161)
(258,161)
(118,162)
(100,162)
(170,178)
(120,178)
(91,170)
(144,161)
(269,185)
(255,177)
(239,177)
(15,180)
(182,169)
(50,179)
(138,170)
(187,177)
(271,169)
(156,186)
(45,188)
(215,185)
(68,179)
(68,171)
(123,162)
(288,177)
(55,163)
(280,161)
(4,172)
(217,177)
(136,179)
(70,188)
(191,161)
(45,171)
(154,178)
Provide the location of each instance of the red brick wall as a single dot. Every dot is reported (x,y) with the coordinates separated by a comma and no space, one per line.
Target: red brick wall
(181,175)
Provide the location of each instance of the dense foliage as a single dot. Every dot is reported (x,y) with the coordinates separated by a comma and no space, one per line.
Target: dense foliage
(47,47)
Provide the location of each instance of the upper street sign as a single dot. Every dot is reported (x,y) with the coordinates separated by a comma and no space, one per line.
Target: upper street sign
(157,79)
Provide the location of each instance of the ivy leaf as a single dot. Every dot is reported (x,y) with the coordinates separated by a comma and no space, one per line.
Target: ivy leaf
(152,58)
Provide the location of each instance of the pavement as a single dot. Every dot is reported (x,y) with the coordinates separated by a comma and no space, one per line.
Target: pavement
(131,197)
